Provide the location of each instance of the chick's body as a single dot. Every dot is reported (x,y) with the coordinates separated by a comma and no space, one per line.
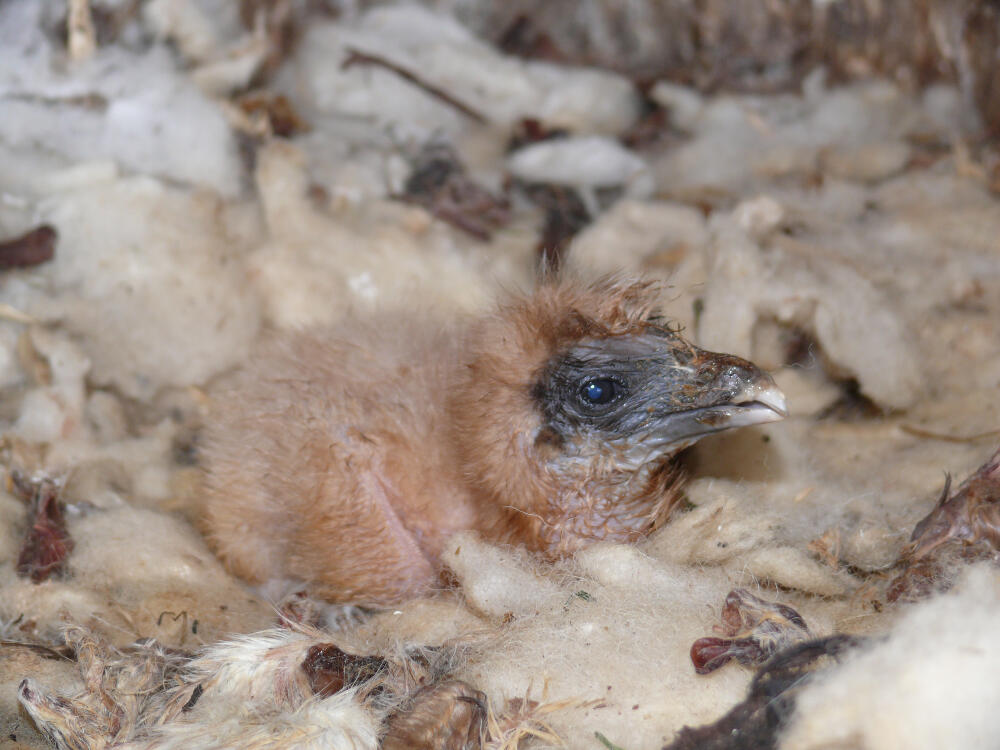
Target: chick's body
(345,458)
(336,447)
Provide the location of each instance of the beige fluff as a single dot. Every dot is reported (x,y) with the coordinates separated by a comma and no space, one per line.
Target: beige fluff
(930,684)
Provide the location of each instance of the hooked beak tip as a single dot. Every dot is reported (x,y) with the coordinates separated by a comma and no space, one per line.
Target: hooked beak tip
(766,394)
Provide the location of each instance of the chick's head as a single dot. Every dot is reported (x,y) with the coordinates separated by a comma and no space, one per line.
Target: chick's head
(575,399)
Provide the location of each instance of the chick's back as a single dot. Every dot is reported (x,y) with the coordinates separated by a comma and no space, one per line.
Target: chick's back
(327,461)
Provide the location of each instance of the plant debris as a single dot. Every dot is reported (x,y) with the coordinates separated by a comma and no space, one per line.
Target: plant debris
(275,113)
(356,57)
(606,742)
(329,669)
(47,542)
(962,528)
(30,249)
(120,687)
(755,630)
(755,723)
(440,183)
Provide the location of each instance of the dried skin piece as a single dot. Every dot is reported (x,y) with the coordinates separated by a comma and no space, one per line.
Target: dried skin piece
(440,184)
(756,723)
(30,249)
(755,630)
(450,715)
(971,515)
(962,528)
(47,543)
(329,669)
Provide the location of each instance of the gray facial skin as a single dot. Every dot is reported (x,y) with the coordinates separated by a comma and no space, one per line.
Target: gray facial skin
(654,391)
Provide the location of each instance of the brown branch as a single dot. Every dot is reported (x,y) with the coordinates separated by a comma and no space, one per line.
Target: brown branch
(356,57)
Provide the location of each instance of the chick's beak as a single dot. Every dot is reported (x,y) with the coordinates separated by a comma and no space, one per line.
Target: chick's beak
(758,402)
(731,392)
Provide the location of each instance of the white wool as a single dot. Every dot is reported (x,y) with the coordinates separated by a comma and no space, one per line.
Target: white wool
(55,410)
(11,372)
(764,495)
(684,104)
(153,562)
(808,394)
(106,417)
(746,539)
(159,284)
(432,621)
(714,532)
(148,279)
(108,473)
(930,684)
(259,671)
(740,141)
(249,693)
(210,34)
(608,634)
(791,567)
(584,162)
(134,573)
(46,416)
(316,266)
(438,49)
(336,723)
(849,316)
(661,239)
(632,231)
(137,109)
(197,27)
(869,162)
(496,582)
(49,606)
(256,695)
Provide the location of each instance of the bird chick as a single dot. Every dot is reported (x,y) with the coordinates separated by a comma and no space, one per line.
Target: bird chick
(345,458)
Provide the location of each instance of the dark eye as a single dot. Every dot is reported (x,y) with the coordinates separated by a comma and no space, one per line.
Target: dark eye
(600,391)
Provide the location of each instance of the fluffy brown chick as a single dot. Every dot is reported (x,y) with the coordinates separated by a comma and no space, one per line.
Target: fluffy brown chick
(345,458)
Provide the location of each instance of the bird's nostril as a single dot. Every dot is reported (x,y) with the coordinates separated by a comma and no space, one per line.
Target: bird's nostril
(726,372)
(735,376)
